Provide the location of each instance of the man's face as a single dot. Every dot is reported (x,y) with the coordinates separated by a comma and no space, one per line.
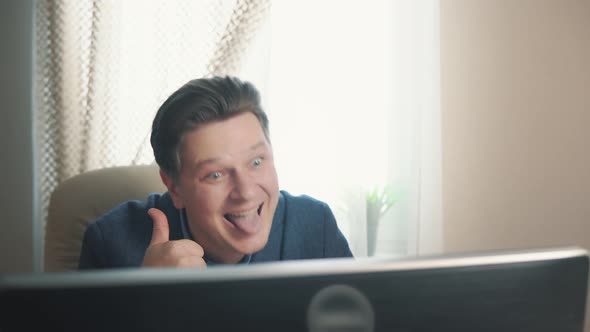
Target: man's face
(228,185)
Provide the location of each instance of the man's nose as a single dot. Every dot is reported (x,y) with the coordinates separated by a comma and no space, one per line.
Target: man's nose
(244,186)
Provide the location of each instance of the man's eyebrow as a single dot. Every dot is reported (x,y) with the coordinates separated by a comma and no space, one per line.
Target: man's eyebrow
(258,145)
(203,162)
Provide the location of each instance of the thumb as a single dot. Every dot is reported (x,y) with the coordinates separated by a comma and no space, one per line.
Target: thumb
(161,232)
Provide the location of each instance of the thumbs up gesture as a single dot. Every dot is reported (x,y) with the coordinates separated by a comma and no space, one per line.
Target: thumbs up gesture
(165,253)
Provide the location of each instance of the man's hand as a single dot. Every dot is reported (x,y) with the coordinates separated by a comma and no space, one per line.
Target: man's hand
(163,252)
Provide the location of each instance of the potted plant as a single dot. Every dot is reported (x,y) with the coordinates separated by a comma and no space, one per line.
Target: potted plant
(379,201)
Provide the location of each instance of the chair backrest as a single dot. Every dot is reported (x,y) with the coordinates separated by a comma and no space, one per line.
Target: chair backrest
(81,199)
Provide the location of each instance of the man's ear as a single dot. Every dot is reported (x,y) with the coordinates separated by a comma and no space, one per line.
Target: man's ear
(172,189)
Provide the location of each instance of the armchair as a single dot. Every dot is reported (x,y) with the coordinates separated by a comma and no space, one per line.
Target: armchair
(81,199)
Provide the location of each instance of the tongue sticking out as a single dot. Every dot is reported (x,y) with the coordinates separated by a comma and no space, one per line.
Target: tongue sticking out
(248,222)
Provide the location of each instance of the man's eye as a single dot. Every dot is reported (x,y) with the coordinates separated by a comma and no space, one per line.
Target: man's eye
(257,162)
(214,175)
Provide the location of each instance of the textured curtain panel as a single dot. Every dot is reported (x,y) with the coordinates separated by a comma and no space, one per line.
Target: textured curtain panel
(104,67)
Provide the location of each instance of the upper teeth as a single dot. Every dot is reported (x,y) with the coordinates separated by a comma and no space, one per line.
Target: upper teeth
(242,214)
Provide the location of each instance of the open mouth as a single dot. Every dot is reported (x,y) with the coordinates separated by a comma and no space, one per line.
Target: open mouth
(244,219)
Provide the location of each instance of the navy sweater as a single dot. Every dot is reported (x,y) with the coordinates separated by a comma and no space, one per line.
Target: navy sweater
(302,228)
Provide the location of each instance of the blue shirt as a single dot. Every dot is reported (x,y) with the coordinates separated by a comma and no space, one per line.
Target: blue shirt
(302,228)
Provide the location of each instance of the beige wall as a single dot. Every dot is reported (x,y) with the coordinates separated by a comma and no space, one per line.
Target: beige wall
(516,123)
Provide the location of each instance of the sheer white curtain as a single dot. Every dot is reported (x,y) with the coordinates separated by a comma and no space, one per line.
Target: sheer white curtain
(352,92)
(351,88)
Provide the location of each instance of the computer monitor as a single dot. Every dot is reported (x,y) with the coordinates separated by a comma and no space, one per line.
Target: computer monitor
(534,290)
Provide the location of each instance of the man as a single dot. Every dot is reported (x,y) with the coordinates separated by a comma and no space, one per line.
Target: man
(223,205)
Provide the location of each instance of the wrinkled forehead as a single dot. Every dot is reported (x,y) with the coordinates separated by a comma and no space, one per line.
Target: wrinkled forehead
(233,137)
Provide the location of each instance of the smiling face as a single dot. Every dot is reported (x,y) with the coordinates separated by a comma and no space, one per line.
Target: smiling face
(228,185)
